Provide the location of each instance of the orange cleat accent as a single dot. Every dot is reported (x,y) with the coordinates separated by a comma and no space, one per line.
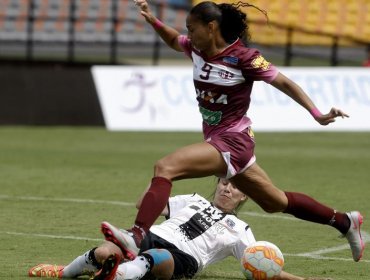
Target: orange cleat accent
(46,270)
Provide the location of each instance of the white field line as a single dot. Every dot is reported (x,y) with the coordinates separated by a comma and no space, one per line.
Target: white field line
(268,216)
(319,257)
(319,253)
(70,200)
(70,237)
(313,255)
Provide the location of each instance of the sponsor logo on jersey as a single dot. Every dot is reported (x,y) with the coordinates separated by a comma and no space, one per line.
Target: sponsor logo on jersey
(230,223)
(211,97)
(226,75)
(250,133)
(201,221)
(260,62)
(231,60)
(210,117)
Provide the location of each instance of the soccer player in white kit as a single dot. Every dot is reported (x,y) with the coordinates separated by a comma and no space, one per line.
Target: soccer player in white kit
(197,233)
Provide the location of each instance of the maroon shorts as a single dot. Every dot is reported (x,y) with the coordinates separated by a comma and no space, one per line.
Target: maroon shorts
(237,149)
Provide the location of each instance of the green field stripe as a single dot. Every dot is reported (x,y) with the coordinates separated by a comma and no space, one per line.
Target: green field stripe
(69,237)
(70,200)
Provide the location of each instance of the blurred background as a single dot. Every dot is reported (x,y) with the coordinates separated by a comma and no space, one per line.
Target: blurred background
(308,32)
(71,71)
(40,39)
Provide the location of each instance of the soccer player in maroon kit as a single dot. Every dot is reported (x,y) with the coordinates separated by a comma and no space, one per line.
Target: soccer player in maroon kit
(224,71)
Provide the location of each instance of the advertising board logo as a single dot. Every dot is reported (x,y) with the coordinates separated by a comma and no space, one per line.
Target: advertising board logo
(138,85)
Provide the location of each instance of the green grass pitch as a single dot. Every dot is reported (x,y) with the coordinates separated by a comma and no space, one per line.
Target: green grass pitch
(58,184)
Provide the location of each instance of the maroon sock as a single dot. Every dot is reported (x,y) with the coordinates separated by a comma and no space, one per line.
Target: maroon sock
(306,208)
(153,203)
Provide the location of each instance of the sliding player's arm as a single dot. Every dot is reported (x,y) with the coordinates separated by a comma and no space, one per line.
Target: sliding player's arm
(168,34)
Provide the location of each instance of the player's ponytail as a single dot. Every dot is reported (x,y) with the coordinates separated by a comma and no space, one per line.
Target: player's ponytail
(233,24)
(232,21)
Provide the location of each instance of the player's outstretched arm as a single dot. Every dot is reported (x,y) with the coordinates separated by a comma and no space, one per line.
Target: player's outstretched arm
(168,34)
(294,91)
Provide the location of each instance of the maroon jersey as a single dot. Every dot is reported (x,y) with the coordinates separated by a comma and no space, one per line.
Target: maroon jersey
(223,84)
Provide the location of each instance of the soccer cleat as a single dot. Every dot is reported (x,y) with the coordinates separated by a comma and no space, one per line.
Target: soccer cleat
(122,238)
(46,270)
(109,269)
(354,235)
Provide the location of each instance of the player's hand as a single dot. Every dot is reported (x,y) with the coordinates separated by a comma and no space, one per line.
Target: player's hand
(325,119)
(145,11)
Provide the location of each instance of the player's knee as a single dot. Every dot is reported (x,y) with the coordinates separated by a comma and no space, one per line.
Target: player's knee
(101,254)
(164,168)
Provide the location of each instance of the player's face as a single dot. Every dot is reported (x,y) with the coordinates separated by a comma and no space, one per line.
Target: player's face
(199,33)
(227,197)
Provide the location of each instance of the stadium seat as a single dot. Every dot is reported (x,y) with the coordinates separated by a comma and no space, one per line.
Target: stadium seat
(94,21)
(338,18)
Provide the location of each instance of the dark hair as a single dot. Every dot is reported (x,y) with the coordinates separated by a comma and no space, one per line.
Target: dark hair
(232,21)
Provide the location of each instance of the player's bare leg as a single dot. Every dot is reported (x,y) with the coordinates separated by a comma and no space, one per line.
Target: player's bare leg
(193,161)
(255,183)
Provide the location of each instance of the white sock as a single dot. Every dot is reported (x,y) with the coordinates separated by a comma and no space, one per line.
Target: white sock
(133,270)
(82,265)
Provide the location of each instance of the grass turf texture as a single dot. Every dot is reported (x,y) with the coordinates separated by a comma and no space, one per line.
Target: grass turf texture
(58,184)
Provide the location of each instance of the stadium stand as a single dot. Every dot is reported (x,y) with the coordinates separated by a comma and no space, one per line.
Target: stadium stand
(70,29)
(33,24)
(90,20)
(348,20)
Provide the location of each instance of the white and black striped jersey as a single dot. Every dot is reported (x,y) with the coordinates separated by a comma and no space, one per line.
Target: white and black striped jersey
(203,231)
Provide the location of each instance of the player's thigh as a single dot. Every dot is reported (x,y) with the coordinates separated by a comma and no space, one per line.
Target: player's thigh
(256,184)
(196,160)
